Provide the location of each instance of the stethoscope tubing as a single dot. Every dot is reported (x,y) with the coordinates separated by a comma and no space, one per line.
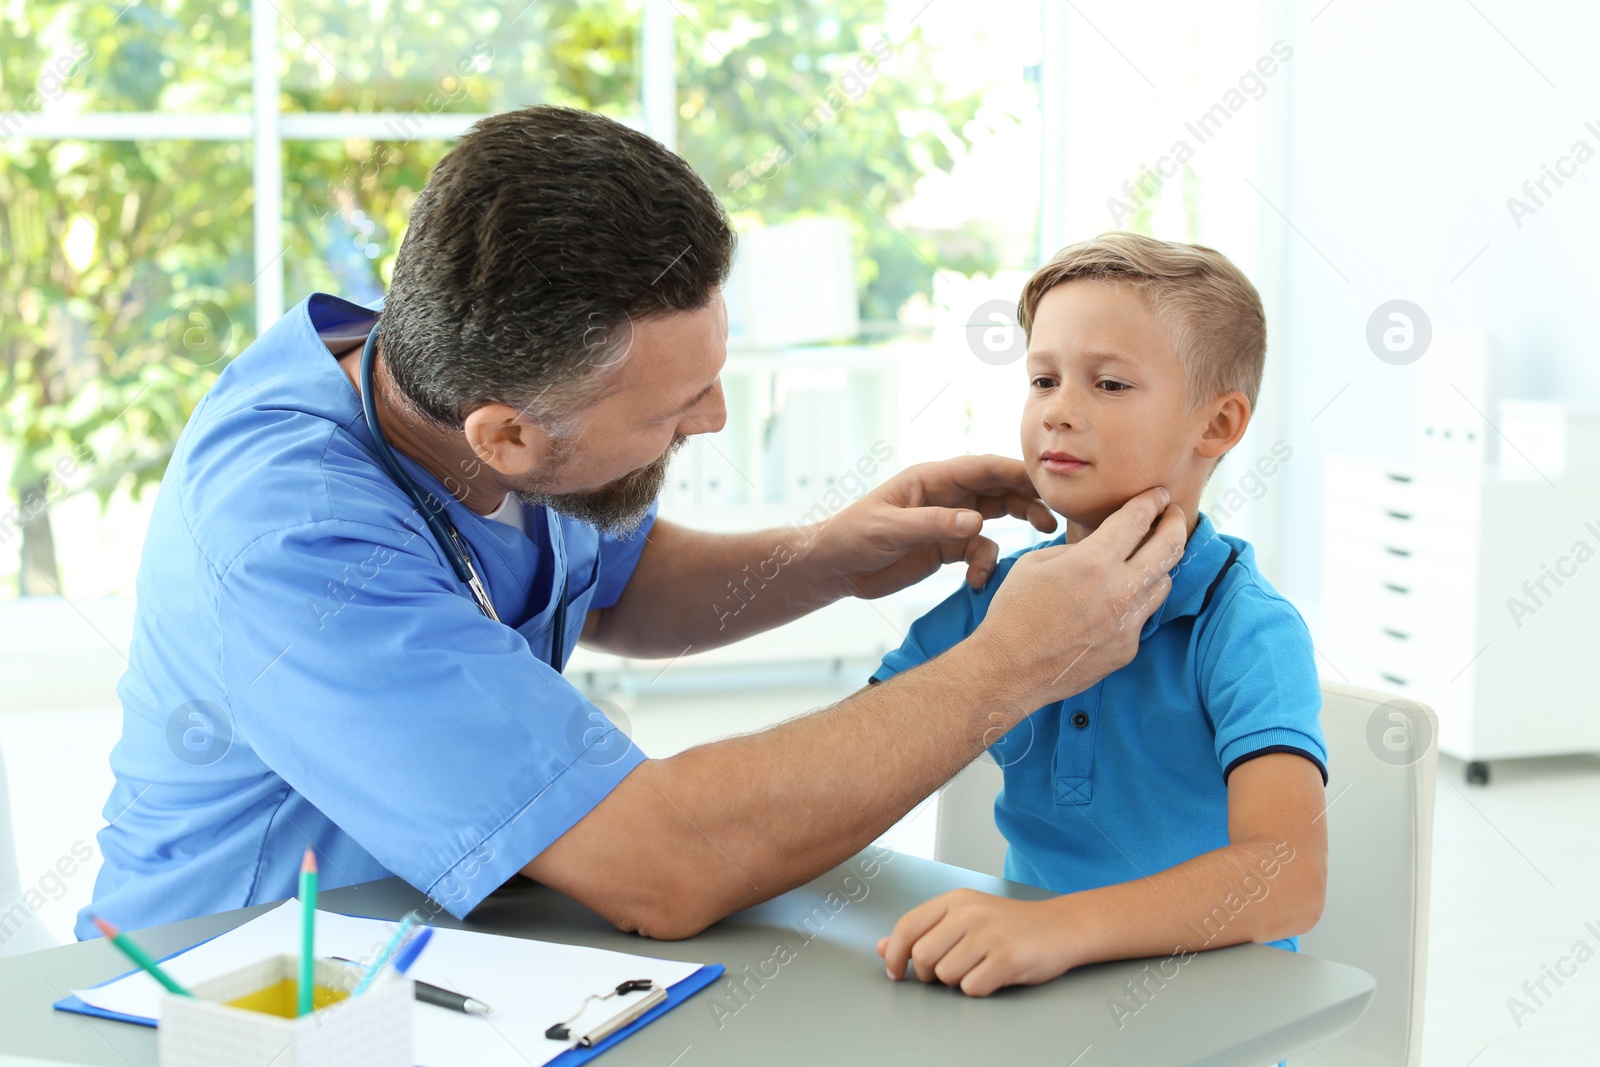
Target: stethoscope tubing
(432,512)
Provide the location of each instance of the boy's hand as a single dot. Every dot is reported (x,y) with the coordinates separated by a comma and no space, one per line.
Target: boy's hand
(980,942)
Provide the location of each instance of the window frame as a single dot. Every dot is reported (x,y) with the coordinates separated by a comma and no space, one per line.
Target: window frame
(266,127)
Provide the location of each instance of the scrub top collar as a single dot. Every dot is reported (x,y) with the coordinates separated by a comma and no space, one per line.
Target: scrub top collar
(331,320)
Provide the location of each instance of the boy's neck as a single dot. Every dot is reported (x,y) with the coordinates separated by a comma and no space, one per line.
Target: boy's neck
(1077,531)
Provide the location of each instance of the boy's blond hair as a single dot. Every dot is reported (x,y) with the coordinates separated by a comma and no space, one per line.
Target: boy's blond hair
(1206,304)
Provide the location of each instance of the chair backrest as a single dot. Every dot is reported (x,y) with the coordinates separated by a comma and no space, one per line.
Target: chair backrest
(1382,760)
(965,834)
(20,927)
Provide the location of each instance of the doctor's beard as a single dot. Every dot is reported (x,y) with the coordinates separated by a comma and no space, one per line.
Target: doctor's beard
(616,508)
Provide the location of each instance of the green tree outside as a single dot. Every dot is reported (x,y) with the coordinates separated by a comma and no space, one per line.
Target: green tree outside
(126,267)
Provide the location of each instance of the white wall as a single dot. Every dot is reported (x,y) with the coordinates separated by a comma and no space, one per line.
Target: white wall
(1409,126)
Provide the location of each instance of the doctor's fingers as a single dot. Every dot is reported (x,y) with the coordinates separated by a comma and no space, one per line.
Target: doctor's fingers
(1131,526)
(1164,545)
(956,481)
(981,555)
(1018,506)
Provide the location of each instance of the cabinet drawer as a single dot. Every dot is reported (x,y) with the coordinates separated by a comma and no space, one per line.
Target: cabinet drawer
(1407,658)
(1435,494)
(1418,571)
(1394,600)
(1412,531)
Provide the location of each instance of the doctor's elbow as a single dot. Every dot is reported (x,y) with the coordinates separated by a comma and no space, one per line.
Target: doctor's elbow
(665,916)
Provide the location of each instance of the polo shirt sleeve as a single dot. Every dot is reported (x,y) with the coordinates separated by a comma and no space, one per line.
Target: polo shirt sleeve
(1258,679)
(619,556)
(432,735)
(945,626)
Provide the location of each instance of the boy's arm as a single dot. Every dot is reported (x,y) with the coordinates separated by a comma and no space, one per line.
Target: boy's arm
(1267,883)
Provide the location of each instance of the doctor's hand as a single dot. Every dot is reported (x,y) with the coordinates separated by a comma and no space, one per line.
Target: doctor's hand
(1069,615)
(980,942)
(926,516)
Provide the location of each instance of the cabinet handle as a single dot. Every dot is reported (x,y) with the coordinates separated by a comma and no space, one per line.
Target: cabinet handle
(1403,479)
(1403,553)
(1403,516)
(1397,634)
(1393,679)
(1401,589)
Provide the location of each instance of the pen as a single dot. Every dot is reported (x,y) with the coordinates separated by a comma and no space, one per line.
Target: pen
(308,936)
(442,998)
(138,955)
(413,948)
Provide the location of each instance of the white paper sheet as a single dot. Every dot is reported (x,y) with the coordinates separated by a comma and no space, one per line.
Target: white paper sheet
(529,984)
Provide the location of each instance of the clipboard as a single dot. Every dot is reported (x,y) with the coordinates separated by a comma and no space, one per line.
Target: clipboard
(553,962)
(676,994)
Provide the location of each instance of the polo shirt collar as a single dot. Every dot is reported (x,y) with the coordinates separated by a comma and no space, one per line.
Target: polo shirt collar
(1203,559)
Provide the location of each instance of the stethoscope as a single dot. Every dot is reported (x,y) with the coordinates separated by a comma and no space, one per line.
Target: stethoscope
(443,530)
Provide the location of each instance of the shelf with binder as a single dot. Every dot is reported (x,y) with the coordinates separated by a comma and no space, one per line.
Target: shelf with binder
(810,430)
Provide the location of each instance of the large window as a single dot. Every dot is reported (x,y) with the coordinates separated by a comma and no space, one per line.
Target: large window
(175,173)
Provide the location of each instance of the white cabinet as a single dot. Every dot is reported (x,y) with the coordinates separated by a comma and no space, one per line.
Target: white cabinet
(1473,594)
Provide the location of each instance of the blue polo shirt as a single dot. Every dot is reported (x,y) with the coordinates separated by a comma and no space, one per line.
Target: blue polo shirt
(1129,777)
(307,670)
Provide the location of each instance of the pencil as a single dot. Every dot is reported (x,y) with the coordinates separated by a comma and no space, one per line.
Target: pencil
(308,938)
(140,957)
(376,966)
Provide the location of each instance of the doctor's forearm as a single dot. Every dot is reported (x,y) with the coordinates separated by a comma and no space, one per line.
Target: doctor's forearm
(682,842)
(685,841)
(694,590)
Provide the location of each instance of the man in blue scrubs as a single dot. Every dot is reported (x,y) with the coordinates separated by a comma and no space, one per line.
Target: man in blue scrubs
(307,669)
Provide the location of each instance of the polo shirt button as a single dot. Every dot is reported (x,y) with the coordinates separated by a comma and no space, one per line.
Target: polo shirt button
(1081,719)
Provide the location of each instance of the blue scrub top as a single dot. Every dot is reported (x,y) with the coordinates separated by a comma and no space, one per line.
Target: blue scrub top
(1129,777)
(307,670)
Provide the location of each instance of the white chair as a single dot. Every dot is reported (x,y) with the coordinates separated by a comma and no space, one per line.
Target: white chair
(20,928)
(1382,758)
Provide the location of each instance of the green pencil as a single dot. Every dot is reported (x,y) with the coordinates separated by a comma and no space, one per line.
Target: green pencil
(308,921)
(139,956)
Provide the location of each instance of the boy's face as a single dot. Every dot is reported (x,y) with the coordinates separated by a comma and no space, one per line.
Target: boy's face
(1107,414)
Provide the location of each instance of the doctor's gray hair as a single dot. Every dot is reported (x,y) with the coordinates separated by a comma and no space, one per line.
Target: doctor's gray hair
(537,244)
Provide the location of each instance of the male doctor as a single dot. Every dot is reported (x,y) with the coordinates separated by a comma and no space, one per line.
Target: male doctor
(308,668)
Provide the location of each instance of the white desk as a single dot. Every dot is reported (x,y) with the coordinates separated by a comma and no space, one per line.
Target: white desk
(829,1004)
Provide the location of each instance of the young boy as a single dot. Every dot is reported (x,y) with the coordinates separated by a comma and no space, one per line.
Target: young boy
(1177,804)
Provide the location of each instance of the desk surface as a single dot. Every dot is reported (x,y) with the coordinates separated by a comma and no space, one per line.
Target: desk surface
(804,986)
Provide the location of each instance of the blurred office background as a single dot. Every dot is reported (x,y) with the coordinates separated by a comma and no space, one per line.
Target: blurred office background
(1411,186)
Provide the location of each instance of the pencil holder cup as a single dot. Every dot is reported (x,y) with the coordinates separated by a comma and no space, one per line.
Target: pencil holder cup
(247,1019)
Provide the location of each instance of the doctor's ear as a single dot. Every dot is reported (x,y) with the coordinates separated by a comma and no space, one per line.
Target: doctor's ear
(501,437)
(1229,416)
